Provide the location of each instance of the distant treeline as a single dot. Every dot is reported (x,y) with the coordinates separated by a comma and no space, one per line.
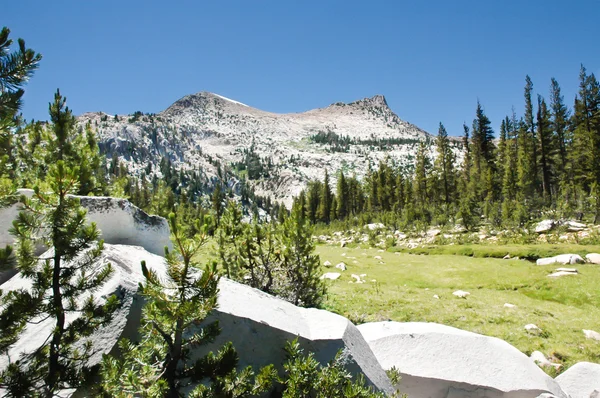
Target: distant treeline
(545,161)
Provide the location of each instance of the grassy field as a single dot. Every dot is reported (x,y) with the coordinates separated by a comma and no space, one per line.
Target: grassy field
(406,283)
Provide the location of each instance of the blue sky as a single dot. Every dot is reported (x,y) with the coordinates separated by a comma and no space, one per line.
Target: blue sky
(432,60)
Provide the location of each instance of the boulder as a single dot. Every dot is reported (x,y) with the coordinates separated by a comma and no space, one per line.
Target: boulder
(341,266)
(374,226)
(259,325)
(591,334)
(123,282)
(574,226)
(533,329)
(544,226)
(580,380)
(327,263)
(593,258)
(561,259)
(558,274)
(461,294)
(118,220)
(330,275)
(509,305)
(438,361)
(543,362)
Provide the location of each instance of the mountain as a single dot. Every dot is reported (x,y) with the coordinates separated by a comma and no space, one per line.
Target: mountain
(277,153)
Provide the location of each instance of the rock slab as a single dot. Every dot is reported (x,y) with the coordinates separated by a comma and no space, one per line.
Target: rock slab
(438,361)
(580,380)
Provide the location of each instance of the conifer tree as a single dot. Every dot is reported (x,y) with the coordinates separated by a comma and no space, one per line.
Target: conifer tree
(560,119)
(160,365)
(529,132)
(444,164)
(15,70)
(343,197)
(546,141)
(325,201)
(300,263)
(61,285)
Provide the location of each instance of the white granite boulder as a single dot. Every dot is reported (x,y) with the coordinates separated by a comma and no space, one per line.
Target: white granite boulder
(544,226)
(561,259)
(123,282)
(580,380)
(259,325)
(593,258)
(437,361)
(118,220)
(574,226)
(330,276)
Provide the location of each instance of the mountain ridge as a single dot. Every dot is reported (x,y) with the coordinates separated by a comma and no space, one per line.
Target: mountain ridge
(203,129)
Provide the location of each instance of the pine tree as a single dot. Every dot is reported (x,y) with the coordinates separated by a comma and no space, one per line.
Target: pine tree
(444,164)
(560,119)
(546,141)
(60,286)
(299,262)
(529,127)
(325,201)
(343,197)
(15,70)
(160,365)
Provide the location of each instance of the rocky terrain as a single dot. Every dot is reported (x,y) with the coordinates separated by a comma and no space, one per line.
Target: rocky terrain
(435,361)
(203,131)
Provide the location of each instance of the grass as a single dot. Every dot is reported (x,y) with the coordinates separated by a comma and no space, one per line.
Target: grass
(402,289)
(529,252)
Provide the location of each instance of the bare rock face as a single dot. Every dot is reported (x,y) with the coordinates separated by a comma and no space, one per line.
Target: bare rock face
(438,361)
(581,380)
(118,220)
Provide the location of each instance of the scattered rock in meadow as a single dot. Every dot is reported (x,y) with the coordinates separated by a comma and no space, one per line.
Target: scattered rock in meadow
(343,254)
(377,258)
(558,274)
(374,226)
(341,266)
(580,380)
(591,334)
(507,257)
(327,263)
(331,275)
(561,259)
(533,329)
(593,258)
(543,362)
(574,226)
(509,305)
(357,278)
(461,294)
(544,226)
(435,296)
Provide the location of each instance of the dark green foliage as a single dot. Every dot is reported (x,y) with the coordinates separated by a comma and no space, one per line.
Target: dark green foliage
(60,285)
(276,258)
(160,365)
(305,378)
(15,69)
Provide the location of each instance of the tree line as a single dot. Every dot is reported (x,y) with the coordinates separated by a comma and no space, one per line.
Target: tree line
(544,163)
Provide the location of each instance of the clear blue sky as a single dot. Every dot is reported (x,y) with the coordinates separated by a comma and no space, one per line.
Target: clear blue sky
(432,59)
